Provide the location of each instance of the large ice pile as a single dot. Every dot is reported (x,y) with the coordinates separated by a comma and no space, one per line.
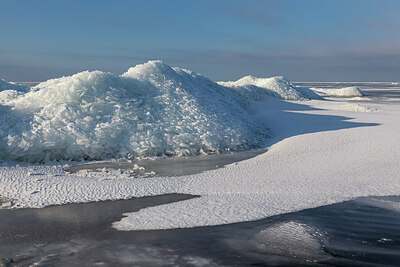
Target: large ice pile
(280,87)
(150,110)
(351,91)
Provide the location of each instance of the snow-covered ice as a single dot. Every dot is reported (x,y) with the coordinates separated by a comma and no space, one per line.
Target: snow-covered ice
(280,87)
(350,91)
(353,107)
(318,154)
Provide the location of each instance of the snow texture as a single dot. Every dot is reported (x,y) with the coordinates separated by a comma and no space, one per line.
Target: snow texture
(351,91)
(151,110)
(280,87)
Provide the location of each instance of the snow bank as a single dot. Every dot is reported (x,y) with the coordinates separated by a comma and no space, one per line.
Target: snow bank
(150,110)
(12,86)
(280,87)
(339,92)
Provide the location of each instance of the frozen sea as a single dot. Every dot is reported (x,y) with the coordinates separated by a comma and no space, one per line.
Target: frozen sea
(385,92)
(359,232)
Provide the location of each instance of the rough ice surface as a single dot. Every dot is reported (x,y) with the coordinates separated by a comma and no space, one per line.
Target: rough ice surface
(351,91)
(280,87)
(150,110)
(8,95)
(10,91)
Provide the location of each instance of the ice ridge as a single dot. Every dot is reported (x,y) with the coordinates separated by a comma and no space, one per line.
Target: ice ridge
(151,110)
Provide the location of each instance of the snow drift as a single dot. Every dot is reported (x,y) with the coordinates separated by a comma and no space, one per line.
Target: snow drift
(339,92)
(150,110)
(280,87)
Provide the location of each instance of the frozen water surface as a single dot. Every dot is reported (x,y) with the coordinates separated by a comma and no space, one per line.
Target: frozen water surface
(378,92)
(359,232)
(167,166)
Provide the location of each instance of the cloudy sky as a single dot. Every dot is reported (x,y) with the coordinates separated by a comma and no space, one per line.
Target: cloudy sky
(310,40)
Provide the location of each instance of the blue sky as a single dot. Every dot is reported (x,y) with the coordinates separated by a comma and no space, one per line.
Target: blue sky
(310,40)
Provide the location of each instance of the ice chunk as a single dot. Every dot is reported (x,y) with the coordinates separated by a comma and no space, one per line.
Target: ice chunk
(279,87)
(351,91)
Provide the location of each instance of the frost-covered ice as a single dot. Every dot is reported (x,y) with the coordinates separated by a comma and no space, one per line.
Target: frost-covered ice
(318,154)
(280,87)
(351,91)
(150,110)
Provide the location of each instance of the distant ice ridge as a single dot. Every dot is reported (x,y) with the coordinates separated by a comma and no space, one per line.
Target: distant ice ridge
(150,110)
(351,91)
(12,86)
(280,87)
(9,91)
